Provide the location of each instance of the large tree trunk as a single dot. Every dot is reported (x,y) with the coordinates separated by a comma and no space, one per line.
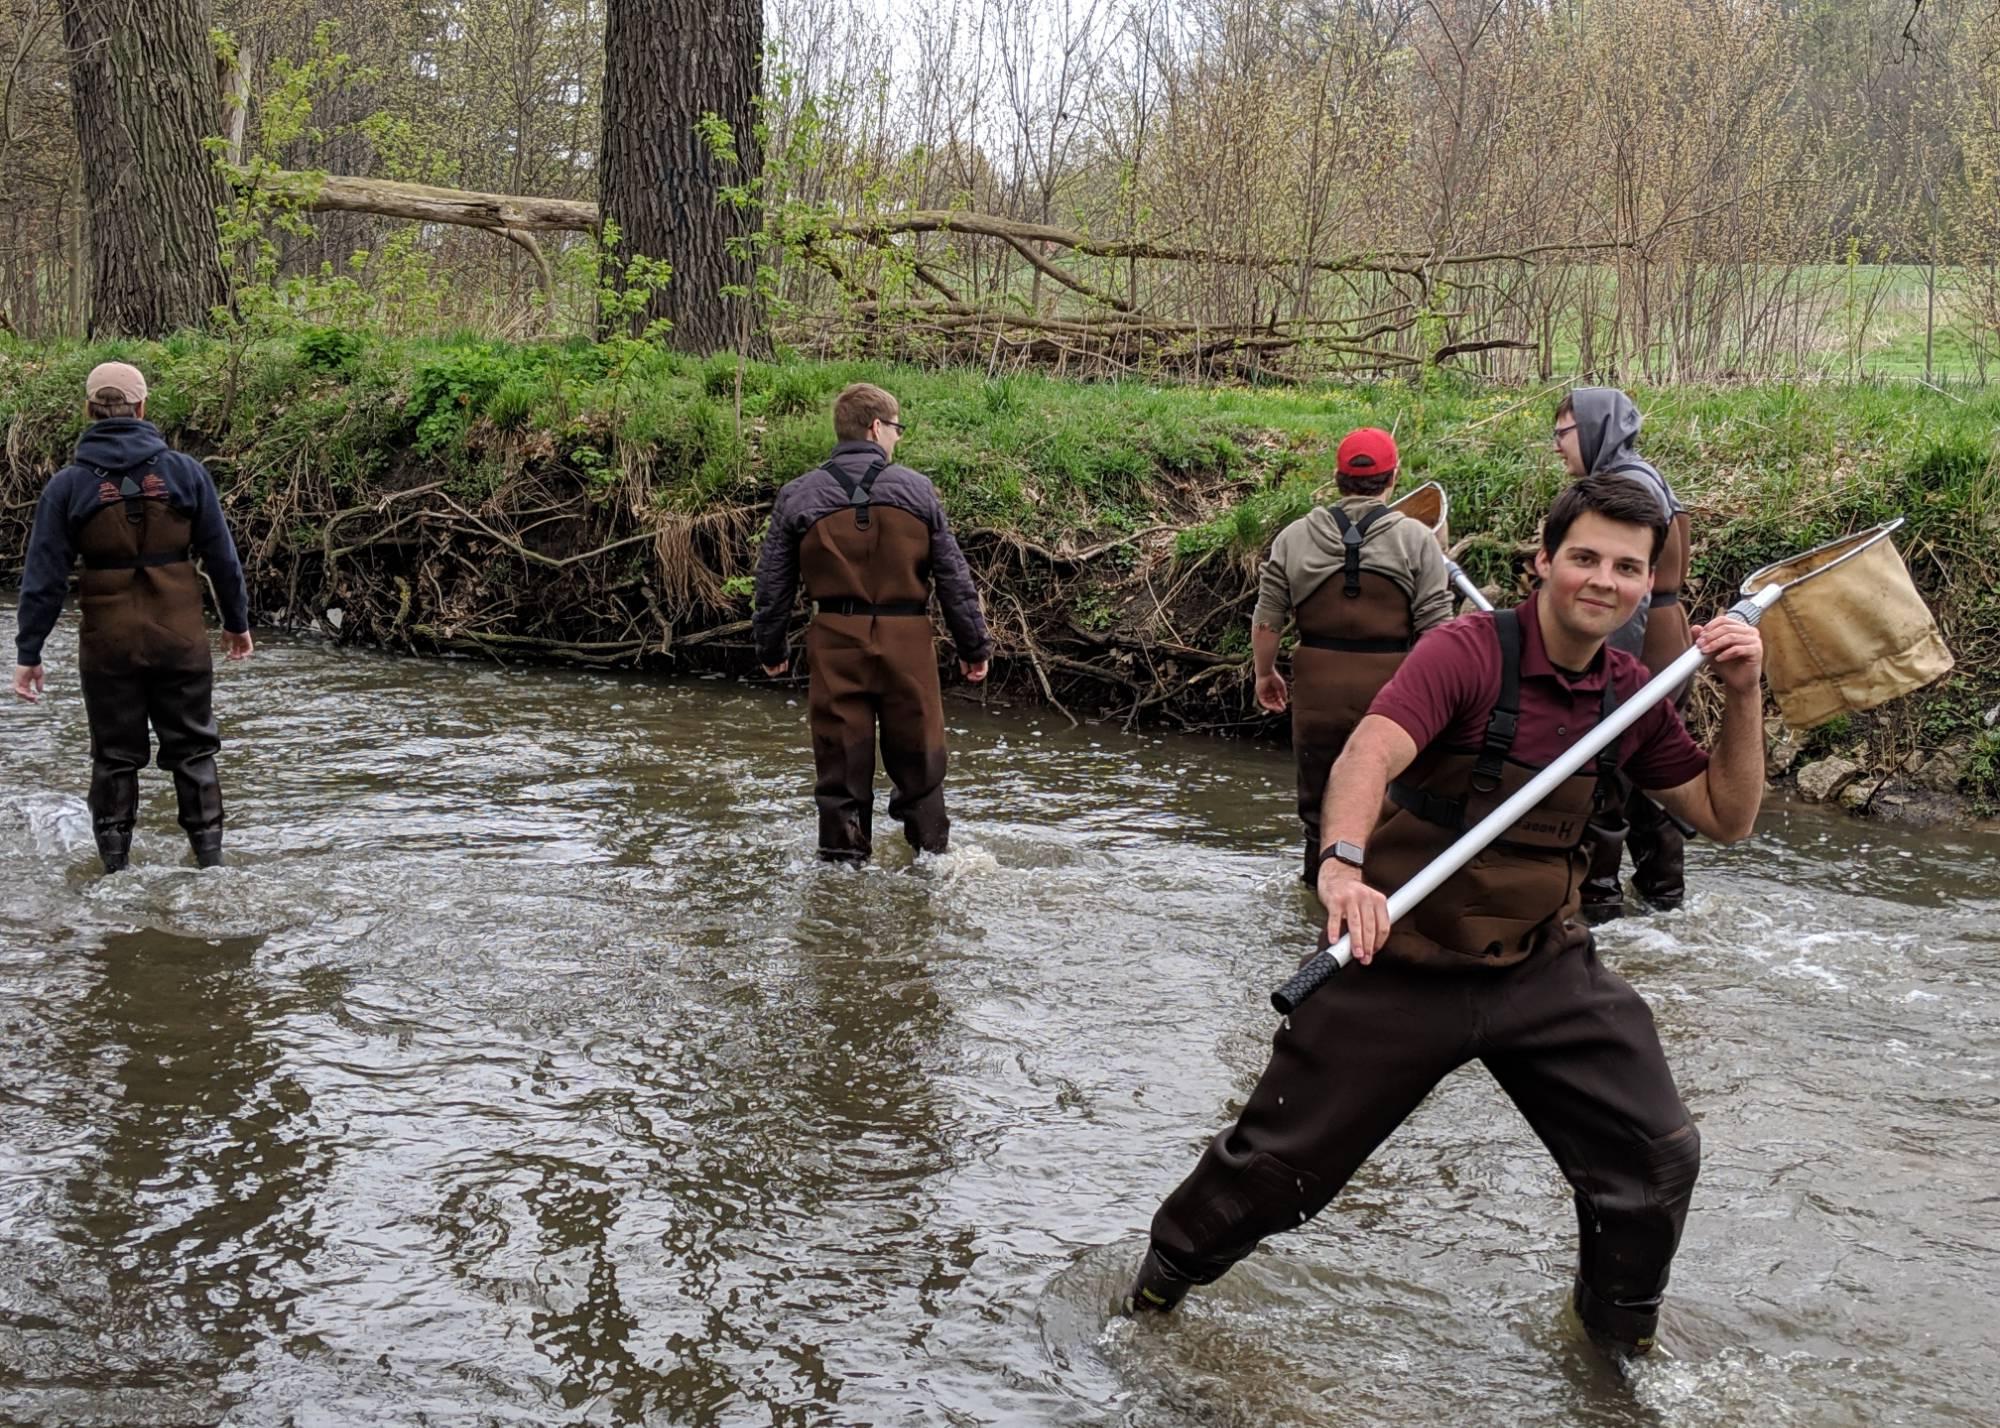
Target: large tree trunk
(142,88)
(666,63)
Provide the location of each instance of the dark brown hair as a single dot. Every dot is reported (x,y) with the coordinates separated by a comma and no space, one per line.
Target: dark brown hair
(1616,498)
(108,404)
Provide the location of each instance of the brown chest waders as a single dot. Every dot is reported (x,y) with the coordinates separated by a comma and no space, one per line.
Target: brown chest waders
(1497,973)
(144,663)
(1353,633)
(873,672)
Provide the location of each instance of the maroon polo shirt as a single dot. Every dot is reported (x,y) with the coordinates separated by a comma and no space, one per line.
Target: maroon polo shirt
(1450,682)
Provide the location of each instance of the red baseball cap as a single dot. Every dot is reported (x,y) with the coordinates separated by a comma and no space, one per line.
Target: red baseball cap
(1366,452)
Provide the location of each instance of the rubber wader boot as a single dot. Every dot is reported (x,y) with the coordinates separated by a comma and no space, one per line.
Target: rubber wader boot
(1659,858)
(1156,1287)
(207,846)
(1621,1332)
(114,850)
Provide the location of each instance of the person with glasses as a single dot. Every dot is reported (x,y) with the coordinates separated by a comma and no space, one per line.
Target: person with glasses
(869,539)
(1493,966)
(1363,582)
(1596,432)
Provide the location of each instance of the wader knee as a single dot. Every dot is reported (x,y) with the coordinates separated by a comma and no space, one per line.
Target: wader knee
(1233,1199)
(1628,1238)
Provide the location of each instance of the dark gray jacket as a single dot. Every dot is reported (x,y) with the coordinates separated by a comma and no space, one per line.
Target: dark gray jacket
(813,497)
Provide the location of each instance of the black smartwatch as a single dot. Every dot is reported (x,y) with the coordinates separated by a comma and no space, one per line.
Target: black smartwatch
(1343,851)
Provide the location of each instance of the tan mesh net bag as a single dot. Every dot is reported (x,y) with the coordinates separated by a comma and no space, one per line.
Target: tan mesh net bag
(1851,631)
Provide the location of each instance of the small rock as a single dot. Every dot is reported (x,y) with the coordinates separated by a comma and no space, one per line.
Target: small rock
(336,617)
(1825,779)
(1943,770)
(1856,795)
(1780,750)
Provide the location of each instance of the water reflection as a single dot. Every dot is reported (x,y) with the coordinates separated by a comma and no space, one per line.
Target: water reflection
(189,1211)
(529,1068)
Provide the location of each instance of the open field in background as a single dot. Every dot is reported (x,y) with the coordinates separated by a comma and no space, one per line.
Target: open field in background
(603,502)
(1844,324)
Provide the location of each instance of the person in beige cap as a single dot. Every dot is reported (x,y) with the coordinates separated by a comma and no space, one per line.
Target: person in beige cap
(139,514)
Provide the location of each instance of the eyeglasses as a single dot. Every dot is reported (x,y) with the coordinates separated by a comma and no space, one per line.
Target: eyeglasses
(884,421)
(1563,431)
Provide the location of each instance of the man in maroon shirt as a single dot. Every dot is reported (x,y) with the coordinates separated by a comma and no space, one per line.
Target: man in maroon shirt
(1495,965)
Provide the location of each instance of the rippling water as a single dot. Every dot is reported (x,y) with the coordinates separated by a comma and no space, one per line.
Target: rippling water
(526,1067)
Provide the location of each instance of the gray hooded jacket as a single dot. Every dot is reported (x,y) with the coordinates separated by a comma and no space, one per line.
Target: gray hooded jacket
(1607,428)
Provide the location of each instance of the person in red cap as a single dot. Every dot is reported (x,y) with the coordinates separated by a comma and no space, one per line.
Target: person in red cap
(1363,582)
(139,514)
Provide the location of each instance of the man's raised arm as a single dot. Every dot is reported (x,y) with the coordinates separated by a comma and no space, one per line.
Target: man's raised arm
(1723,802)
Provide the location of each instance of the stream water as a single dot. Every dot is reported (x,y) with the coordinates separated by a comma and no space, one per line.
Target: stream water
(525,1066)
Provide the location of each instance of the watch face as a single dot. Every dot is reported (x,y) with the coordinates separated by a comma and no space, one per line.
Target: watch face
(1349,853)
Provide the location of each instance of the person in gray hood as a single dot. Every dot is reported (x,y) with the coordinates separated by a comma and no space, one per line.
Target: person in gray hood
(1596,431)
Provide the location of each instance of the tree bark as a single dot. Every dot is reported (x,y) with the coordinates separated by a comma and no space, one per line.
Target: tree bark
(666,63)
(142,90)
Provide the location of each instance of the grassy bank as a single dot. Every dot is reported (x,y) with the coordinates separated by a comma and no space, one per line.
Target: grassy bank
(602,503)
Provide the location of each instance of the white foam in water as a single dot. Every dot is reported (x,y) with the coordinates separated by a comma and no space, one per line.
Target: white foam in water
(1800,967)
(961,860)
(55,823)
(1728,1387)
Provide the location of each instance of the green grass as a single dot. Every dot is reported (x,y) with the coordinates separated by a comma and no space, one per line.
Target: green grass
(1768,470)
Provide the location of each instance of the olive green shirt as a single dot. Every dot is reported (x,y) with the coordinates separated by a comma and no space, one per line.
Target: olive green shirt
(1310,550)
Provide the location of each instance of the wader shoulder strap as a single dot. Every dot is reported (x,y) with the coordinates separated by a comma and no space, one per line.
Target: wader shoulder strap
(130,485)
(1607,757)
(127,482)
(1502,724)
(1505,720)
(1352,533)
(858,491)
(1498,740)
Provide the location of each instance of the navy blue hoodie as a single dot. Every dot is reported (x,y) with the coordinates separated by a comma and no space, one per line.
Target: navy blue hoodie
(72,497)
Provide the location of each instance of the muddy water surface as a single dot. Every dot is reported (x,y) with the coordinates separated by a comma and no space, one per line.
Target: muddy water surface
(525,1067)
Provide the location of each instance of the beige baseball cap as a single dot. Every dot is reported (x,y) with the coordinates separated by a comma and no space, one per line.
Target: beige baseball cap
(120,378)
